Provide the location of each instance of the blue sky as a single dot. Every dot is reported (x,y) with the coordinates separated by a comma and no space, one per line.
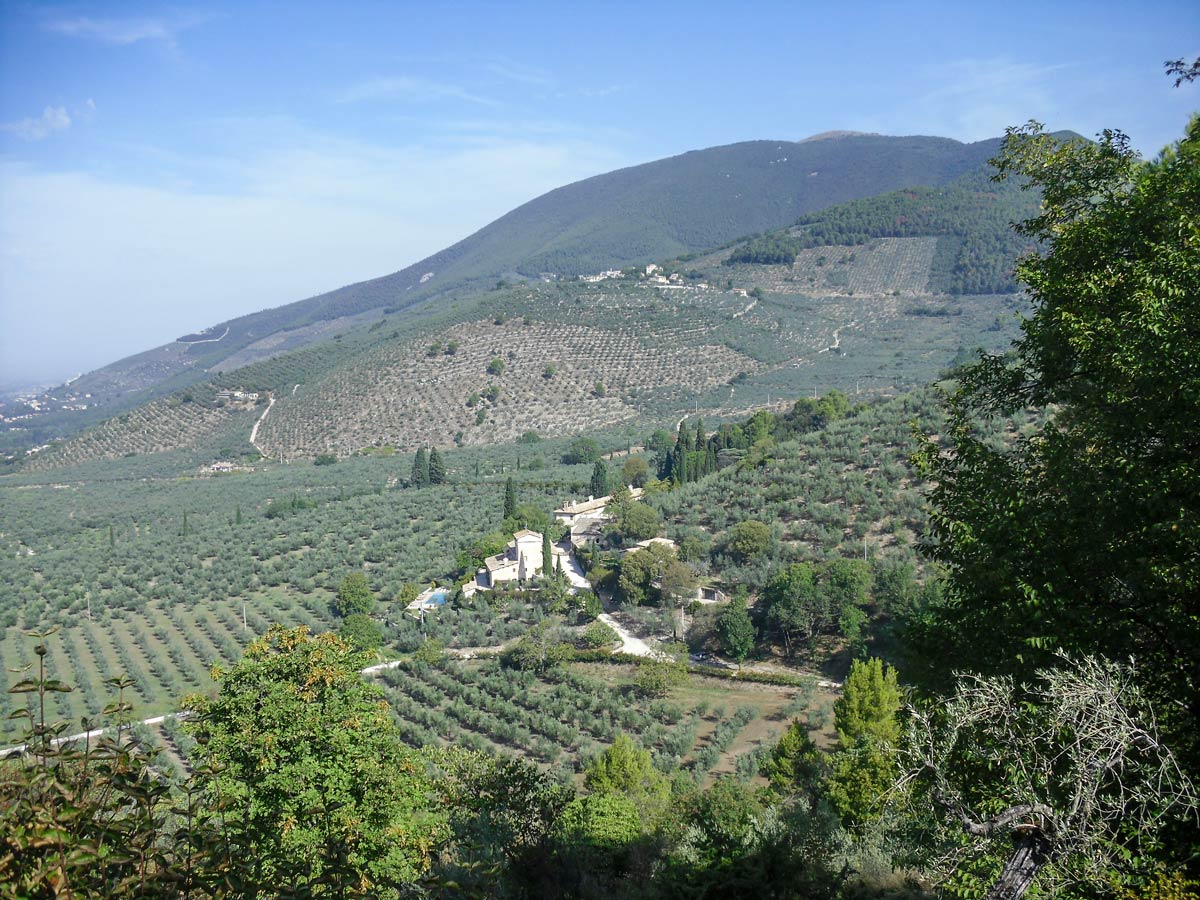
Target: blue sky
(166,167)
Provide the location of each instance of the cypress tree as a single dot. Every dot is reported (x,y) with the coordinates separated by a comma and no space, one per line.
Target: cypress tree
(237,516)
(701,437)
(510,499)
(437,468)
(547,554)
(599,484)
(112,536)
(185,525)
(420,469)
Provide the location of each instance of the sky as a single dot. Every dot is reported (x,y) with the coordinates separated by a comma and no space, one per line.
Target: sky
(167,167)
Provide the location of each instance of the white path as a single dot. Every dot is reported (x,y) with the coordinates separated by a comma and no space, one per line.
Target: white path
(207,340)
(629,644)
(261,419)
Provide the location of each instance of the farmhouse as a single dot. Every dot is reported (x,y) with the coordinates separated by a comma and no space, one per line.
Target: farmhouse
(592,508)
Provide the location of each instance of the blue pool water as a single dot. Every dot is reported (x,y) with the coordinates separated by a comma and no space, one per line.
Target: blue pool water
(438,598)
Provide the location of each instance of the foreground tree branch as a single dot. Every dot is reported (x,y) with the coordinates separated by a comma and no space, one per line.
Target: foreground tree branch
(1050,782)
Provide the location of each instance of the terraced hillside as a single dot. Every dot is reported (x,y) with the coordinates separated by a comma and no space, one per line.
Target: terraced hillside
(501,381)
(566,356)
(169,423)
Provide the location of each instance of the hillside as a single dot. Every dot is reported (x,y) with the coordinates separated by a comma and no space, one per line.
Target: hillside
(568,356)
(680,205)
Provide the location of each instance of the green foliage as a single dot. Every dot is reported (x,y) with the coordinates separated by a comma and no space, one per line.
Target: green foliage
(656,677)
(635,471)
(735,631)
(796,609)
(437,468)
(306,759)
(502,813)
(748,540)
(970,218)
(538,651)
(598,486)
(581,450)
(768,250)
(510,499)
(361,632)
(90,820)
(354,596)
(626,769)
(324,459)
(496,366)
(641,571)
(598,635)
(795,765)
(638,522)
(420,469)
(859,778)
(599,831)
(1083,534)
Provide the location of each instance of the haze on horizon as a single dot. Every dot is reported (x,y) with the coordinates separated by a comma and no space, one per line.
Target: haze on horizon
(166,169)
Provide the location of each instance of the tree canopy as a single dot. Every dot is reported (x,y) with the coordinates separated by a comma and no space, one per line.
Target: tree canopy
(316,787)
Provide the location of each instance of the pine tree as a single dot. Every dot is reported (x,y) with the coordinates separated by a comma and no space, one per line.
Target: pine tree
(869,704)
(510,499)
(437,468)
(420,469)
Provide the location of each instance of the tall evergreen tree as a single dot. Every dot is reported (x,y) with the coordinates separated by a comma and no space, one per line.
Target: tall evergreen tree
(547,554)
(510,499)
(437,468)
(599,483)
(420,469)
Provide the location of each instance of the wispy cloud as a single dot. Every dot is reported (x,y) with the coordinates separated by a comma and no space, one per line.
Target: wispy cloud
(519,72)
(404,87)
(601,92)
(123,32)
(52,119)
